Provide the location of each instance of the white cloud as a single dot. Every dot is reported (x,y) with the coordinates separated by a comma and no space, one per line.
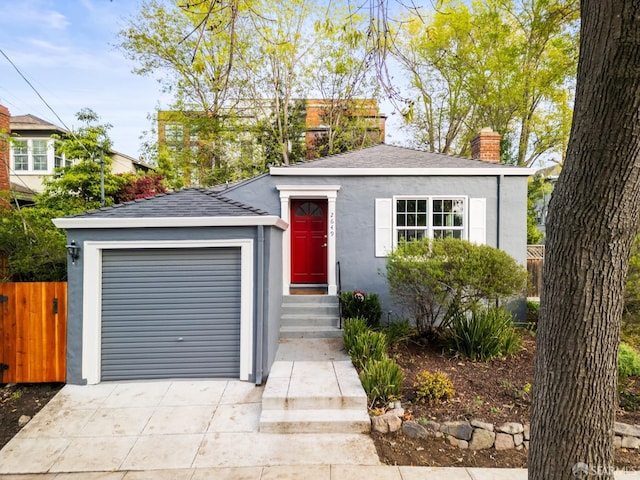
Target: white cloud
(55,20)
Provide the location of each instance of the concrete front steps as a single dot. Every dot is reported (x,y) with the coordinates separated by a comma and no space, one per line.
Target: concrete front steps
(314,397)
(310,316)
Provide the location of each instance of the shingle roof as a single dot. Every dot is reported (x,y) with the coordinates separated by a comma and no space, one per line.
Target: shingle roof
(190,202)
(31,122)
(389,156)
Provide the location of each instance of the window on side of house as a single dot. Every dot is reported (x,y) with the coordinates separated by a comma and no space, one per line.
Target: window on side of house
(39,148)
(416,218)
(20,150)
(34,156)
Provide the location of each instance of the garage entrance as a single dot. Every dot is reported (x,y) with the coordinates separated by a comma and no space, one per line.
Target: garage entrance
(170,313)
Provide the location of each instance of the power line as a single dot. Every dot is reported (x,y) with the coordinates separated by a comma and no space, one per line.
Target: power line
(61,121)
(34,89)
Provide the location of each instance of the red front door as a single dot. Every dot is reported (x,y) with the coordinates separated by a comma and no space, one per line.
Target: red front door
(309,241)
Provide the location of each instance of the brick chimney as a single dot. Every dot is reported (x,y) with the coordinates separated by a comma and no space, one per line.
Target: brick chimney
(485,146)
(5,132)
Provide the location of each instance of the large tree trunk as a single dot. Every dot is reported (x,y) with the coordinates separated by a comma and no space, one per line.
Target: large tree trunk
(592,222)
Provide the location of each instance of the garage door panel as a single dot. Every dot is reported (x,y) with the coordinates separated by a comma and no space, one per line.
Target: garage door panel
(151,298)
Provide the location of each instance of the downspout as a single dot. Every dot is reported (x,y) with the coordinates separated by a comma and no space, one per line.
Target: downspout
(499,179)
(259,338)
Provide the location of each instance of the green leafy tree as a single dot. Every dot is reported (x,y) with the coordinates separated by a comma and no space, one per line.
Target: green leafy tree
(77,187)
(340,76)
(508,65)
(273,65)
(34,247)
(192,48)
(537,191)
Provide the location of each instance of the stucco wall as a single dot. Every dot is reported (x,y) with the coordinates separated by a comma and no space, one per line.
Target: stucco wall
(75,277)
(355,215)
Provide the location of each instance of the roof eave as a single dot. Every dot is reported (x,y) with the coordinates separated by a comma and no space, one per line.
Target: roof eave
(329,171)
(170,222)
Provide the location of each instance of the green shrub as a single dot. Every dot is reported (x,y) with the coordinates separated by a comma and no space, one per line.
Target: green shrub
(398,332)
(430,276)
(351,328)
(382,380)
(483,334)
(533,312)
(628,363)
(369,346)
(360,304)
(433,387)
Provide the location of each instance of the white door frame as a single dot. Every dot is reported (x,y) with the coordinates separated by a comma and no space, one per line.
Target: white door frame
(325,192)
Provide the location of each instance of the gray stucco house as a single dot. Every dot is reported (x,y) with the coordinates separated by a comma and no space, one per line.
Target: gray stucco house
(192,283)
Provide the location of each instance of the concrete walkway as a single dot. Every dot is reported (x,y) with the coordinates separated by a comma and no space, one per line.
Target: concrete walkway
(197,430)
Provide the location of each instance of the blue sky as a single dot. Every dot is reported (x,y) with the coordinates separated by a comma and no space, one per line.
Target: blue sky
(66,50)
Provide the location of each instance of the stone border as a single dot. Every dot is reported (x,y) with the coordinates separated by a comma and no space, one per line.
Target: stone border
(478,435)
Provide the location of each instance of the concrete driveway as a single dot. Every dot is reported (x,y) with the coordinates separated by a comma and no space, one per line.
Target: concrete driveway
(158,425)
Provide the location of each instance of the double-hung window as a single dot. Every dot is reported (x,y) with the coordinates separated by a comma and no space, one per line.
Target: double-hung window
(429,217)
(35,156)
(20,150)
(40,162)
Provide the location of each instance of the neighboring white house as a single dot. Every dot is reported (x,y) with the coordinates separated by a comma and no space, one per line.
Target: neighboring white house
(33,155)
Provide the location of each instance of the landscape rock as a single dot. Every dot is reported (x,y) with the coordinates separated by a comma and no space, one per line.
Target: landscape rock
(463,444)
(387,423)
(432,426)
(482,439)
(504,441)
(461,430)
(624,429)
(397,409)
(511,428)
(23,420)
(617,442)
(630,442)
(483,425)
(527,432)
(526,444)
(518,438)
(414,430)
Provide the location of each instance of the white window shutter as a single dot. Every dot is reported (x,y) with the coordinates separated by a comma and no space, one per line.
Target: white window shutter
(384,226)
(478,220)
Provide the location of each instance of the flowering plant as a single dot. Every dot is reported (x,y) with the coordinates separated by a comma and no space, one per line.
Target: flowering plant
(358,295)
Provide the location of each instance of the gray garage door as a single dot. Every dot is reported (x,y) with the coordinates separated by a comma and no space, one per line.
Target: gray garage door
(170,313)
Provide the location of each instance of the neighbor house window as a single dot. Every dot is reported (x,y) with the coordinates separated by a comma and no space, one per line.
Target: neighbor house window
(429,217)
(39,155)
(34,155)
(20,150)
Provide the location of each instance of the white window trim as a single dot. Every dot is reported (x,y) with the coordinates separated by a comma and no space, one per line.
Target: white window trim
(92,298)
(328,192)
(30,160)
(430,199)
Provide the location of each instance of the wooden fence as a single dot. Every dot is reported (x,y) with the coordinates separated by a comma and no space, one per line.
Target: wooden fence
(535,266)
(33,332)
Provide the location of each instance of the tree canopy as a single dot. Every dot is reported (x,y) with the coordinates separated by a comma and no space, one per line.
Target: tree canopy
(504,64)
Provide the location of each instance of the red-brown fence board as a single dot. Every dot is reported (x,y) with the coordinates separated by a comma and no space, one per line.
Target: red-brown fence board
(33,332)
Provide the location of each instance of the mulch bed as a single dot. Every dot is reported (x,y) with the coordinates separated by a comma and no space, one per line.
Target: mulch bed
(497,391)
